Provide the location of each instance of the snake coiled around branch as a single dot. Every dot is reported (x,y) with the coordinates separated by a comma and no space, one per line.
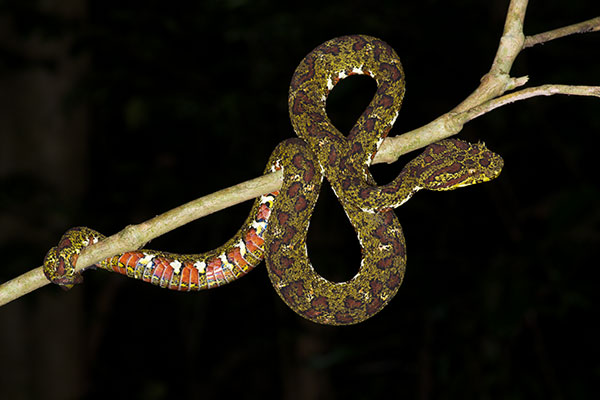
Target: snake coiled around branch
(277,225)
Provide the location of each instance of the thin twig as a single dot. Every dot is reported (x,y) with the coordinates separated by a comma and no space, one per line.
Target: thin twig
(591,25)
(543,90)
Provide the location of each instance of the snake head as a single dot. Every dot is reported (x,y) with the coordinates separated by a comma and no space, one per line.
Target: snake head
(454,163)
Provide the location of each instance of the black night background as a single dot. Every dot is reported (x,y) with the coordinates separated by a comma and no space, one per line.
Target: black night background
(112,112)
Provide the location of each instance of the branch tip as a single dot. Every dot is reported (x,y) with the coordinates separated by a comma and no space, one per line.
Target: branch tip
(517,82)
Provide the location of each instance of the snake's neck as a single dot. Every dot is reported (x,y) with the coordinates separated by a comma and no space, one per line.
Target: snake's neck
(369,197)
(404,186)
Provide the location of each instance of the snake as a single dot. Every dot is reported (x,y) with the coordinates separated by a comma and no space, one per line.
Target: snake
(277,225)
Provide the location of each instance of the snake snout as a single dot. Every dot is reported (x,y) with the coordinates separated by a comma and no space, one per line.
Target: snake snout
(495,165)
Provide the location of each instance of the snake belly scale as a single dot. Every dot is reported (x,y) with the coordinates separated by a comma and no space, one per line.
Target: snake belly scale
(277,225)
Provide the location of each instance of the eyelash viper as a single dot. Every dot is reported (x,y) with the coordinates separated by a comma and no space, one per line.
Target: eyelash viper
(277,225)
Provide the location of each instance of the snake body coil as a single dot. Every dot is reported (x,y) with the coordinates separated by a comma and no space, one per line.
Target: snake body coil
(278,223)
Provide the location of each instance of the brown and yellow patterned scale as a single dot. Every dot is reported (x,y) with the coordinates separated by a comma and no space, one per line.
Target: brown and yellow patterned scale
(278,223)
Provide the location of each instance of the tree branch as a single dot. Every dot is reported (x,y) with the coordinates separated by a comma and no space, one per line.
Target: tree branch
(488,96)
(497,80)
(544,90)
(591,25)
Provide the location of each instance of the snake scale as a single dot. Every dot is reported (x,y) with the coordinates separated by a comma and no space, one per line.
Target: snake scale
(277,225)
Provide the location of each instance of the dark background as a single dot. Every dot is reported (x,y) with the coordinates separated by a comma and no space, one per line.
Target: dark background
(112,112)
